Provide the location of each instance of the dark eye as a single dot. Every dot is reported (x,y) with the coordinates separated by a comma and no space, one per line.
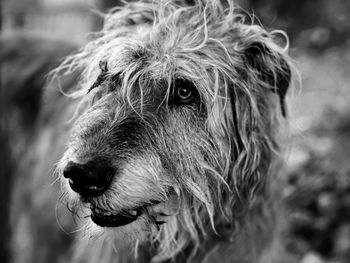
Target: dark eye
(185,92)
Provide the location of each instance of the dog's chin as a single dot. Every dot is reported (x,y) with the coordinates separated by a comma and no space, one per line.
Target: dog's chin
(125,227)
(125,236)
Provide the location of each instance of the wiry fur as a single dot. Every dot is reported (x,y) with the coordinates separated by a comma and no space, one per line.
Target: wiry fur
(211,164)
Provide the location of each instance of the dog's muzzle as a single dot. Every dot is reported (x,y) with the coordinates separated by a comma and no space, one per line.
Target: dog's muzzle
(91,180)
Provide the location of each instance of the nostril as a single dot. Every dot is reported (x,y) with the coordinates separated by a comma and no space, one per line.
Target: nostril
(90,179)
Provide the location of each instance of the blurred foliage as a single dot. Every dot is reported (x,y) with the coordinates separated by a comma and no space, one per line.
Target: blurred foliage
(316,24)
(318,194)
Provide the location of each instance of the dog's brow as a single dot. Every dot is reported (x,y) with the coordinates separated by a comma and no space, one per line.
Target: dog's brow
(185,83)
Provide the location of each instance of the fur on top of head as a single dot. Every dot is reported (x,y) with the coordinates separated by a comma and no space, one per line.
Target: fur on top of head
(158,39)
(242,76)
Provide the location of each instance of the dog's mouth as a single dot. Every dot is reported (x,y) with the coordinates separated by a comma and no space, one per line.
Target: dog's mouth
(108,219)
(123,217)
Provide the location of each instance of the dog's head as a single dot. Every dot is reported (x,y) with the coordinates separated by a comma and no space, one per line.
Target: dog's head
(176,129)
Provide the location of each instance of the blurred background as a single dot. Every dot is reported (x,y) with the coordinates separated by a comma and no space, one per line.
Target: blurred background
(318,192)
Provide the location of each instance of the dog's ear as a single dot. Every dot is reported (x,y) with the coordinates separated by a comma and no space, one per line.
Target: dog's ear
(271,68)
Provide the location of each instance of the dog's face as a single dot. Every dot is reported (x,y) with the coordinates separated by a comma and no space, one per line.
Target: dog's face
(176,127)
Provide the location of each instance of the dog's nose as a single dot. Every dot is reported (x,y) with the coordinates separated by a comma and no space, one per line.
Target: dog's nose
(90,179)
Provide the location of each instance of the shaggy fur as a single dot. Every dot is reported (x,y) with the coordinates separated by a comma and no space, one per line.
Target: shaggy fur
(202,171)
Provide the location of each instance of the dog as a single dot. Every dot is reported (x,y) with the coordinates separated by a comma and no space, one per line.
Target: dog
(173,145)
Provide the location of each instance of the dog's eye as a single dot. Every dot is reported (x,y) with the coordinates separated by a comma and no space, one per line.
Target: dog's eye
(185,92)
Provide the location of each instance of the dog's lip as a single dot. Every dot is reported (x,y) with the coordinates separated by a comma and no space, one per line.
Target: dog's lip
(107,219)
(124,217)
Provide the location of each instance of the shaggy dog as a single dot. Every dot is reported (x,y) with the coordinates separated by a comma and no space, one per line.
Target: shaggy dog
(172,146)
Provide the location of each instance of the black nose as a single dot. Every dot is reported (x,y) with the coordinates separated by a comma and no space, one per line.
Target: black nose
(90,179)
